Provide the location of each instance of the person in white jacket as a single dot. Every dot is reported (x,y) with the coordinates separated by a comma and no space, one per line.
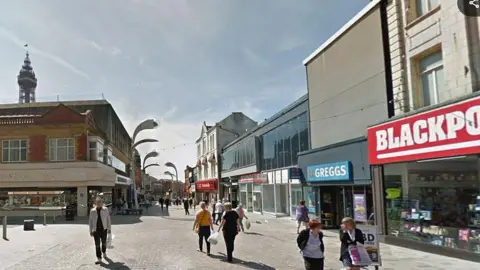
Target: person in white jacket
(100,226)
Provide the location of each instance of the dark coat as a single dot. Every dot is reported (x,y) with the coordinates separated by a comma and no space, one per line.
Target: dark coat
(302,239)
(346,241)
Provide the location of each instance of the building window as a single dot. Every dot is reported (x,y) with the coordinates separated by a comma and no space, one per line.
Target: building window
(425,6)
(62,149)
(14,151)
(281,145)
(432,77)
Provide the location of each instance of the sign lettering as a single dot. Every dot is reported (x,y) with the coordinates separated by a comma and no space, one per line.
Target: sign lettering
(452,130)
(330,172)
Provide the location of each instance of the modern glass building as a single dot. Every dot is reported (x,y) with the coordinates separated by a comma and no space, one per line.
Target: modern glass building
(261,166)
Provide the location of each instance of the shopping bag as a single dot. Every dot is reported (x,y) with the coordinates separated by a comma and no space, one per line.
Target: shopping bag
(359,255)
(110,240)
(213,239)
(248,224)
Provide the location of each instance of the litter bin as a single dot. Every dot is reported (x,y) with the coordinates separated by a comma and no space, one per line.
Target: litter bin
(69,213)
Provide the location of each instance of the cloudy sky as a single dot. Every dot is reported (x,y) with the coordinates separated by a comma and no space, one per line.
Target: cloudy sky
(180,61)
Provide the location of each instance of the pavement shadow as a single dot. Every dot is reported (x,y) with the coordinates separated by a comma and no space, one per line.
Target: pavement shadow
(114,265)
(246,264)
(253,233)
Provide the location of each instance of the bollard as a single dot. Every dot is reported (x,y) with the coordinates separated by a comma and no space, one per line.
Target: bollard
(44,219)
(53,217)
(5,227)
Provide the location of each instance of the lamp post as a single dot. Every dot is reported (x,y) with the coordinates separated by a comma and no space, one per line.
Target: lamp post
(152,154)
(145,125)
(171,165)
(145,169)
(172,176)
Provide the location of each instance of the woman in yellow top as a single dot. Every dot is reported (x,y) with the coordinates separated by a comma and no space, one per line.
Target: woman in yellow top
(203,226)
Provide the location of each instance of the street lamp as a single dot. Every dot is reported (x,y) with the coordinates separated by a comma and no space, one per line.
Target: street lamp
(152,154)
(169,174)
(171,165)
(151,165)
(145,125)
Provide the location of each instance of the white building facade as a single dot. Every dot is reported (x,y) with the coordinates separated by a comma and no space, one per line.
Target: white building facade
(212,139)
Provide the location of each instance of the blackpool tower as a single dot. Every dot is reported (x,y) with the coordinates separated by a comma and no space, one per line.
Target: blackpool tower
(27,81)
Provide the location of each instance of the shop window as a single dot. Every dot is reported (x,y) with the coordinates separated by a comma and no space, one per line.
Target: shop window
(435,202)
(14,151)
(425,6)
(303,132)
(432,79)
(62,149)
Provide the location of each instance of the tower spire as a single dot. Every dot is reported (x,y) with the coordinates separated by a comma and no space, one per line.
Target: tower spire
(27,81)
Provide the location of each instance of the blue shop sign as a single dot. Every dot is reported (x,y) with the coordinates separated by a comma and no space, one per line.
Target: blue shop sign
(295,173)
(338,171)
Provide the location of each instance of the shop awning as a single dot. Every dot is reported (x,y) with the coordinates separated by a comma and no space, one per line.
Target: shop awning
(206,185)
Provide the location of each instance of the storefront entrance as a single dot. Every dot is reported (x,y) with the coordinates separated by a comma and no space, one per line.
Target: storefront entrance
(336,202)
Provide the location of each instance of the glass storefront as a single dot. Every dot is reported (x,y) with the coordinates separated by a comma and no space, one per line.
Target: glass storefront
(296,196)
(269,198)
(257,198)
(28,200)
(435,202)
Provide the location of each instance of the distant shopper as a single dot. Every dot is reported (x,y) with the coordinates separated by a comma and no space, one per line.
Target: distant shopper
(203,226)
(161,201)
(310,243)
(167,203)
(218,211)
(100,225)
(349,235)
(230,226)
(190,202)
(302,215)
(186,206)
(241,215)
(214,213)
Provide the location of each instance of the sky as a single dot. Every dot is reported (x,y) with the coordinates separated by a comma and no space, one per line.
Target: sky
(181,62)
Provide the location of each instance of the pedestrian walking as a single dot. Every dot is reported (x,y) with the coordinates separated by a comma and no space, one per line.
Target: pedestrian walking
(310,243)
(167,203)
(302,215)
(100,226)
(214,213)
(190,202)
(230,226)
(203,226)
(349,236)
(218,212)
(160,201)
(241,215)
(186,206)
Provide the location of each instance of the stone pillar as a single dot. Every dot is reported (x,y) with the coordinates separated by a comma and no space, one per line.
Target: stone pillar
(82,201)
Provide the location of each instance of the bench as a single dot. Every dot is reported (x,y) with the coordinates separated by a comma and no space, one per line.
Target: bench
(133,211)
(28,225)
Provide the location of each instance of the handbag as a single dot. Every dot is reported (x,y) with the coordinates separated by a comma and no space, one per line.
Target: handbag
(197,226)
(110,238)
(248,224)
(359,255)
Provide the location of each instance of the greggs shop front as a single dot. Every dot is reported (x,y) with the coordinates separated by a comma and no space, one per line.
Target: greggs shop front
(427,167)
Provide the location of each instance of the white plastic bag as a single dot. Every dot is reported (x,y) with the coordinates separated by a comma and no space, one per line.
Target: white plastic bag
(248,224)
(213,239)
(110,238)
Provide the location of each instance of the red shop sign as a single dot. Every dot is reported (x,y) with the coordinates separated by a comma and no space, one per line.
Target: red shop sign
(452,130)
(206,185)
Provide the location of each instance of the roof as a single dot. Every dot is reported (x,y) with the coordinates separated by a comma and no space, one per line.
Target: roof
(269,120)
(54,103)
(342,31)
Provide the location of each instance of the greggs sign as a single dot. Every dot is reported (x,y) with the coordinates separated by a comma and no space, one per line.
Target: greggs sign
(453,130)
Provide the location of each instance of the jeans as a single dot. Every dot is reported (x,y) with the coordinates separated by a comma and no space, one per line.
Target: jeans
(241,223)
(219,217)
(313,263)
(203,232)
(100,236)
(229,238)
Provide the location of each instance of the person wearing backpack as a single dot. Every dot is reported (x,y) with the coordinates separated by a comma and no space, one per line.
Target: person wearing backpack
(310,243)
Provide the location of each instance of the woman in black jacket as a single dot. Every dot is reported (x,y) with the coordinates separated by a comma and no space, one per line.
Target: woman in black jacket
(349,235)
(310,243)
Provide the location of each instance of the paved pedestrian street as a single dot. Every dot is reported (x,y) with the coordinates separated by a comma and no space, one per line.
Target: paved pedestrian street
(166,241)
